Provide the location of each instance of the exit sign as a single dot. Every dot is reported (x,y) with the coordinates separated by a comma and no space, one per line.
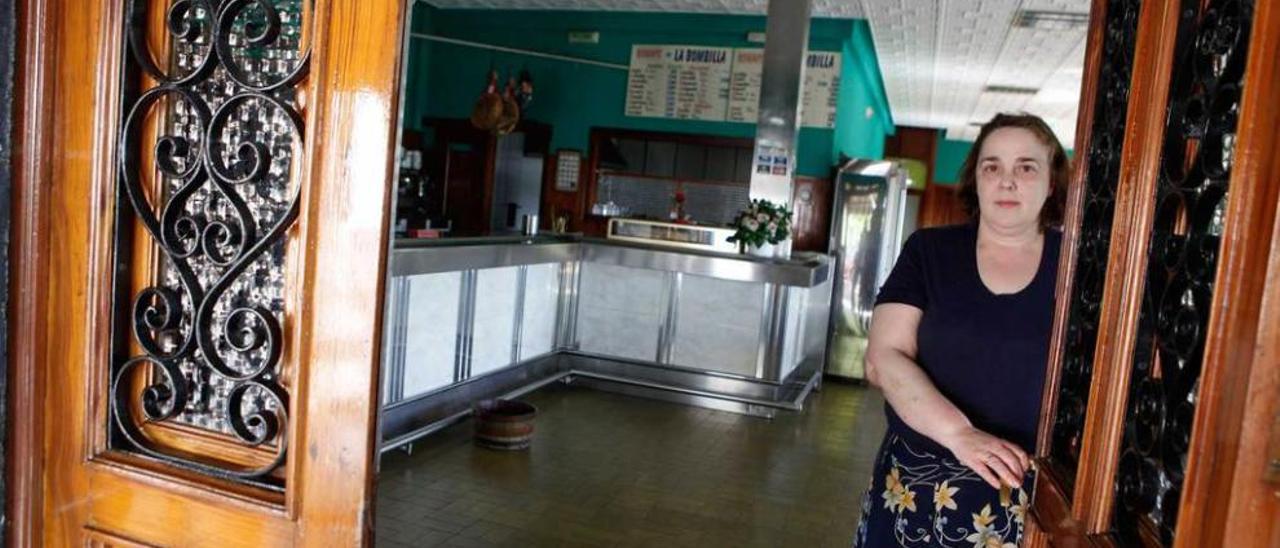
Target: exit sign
(584,37)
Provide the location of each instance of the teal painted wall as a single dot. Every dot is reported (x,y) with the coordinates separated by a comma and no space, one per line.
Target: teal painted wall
(951,155)
(443,80)
(861,88)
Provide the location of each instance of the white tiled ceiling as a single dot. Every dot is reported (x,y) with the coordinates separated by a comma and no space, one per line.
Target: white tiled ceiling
(938,57)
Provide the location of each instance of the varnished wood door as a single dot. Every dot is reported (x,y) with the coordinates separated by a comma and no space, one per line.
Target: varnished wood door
(1160,410)
(200,214)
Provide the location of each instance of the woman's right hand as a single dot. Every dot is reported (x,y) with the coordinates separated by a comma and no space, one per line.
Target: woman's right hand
(997,461)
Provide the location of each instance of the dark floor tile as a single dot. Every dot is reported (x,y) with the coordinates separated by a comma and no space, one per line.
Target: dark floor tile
(610,470)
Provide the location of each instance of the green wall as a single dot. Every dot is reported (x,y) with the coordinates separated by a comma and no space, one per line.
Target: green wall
(443,79)
(951,155)
(861,88)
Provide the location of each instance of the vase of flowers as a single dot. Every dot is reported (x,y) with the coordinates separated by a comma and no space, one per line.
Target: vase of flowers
(760,228)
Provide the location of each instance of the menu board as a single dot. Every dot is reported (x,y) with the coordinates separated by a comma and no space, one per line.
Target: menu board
(821,89)
(744,85)
(682,82)
(722,84)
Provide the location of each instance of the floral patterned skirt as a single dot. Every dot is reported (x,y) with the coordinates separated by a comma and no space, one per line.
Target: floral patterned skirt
(919,499)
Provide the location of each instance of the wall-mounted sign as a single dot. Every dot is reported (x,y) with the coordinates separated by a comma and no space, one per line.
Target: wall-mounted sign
(721,84)
(682,82)
(568,164)
(771,160)
(821,89)
(744,86)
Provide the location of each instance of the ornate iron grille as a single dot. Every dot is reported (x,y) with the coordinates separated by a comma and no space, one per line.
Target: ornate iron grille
(1191,192)
(1106,139)
(207,327)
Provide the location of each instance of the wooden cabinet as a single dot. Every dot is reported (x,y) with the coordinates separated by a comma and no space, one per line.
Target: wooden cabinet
(1162,395)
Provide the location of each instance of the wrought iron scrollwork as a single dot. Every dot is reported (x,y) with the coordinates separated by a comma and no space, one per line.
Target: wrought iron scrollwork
(220,201)
(1093,245)
(1191,191)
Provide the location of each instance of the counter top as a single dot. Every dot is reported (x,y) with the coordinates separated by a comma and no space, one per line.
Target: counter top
(412,257)
(416,243)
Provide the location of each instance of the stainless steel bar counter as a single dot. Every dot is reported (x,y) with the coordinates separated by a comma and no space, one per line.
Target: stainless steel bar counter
(477,318)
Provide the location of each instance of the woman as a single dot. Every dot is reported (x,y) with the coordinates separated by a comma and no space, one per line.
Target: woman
(958,344)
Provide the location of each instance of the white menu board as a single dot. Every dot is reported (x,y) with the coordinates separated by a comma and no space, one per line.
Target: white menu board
(683,82)
(821,89)
(722,84)
(744,86)
(820,92)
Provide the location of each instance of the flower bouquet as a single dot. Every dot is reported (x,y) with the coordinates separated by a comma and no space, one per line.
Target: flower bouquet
(762,226)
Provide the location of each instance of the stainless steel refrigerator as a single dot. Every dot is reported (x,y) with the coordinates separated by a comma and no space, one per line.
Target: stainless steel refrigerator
(867,230)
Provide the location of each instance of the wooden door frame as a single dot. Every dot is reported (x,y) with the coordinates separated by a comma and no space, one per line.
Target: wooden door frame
(25,497)
(1234,435)
(1126,266)
(1051,507)
(1140,160)
(352,97)
(7,20)
(1241,375)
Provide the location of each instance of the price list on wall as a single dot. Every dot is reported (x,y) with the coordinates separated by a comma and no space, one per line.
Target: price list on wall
(744,86)
(821,89)
(681,82)
(722,84)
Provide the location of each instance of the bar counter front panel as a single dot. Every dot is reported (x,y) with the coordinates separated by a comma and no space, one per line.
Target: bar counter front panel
(483,318)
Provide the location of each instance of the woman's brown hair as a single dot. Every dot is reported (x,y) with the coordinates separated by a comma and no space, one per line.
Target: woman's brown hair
(1059,166)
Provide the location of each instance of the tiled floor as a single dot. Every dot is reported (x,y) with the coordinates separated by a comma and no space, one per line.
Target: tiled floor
(613,470)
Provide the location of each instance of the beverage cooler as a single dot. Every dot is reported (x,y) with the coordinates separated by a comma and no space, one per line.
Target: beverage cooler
(869,210)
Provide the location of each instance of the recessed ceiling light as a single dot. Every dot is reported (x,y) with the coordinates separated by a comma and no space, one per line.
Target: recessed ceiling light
(1012,90)
(1051,20)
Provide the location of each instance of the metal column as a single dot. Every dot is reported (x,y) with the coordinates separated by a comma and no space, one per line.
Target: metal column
(786,44)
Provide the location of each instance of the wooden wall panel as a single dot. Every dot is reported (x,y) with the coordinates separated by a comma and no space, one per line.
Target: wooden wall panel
(811,202)
(915,142)
(940,205)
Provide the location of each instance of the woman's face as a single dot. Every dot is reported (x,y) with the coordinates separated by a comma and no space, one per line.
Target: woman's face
(1013,178)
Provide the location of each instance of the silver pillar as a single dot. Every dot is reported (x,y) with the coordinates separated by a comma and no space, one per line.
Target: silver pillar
(466,326)
(670,318)
(786,42)
(517,330)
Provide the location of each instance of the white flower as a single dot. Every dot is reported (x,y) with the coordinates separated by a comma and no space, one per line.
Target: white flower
(752,224)
(773,227)
(762,217)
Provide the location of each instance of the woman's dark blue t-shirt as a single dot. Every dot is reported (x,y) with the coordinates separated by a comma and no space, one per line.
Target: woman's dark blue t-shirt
(985,352)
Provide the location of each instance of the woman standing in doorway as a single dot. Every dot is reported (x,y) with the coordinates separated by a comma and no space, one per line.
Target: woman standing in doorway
(959,341)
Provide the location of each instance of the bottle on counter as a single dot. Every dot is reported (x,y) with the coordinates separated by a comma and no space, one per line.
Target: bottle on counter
(677,214)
